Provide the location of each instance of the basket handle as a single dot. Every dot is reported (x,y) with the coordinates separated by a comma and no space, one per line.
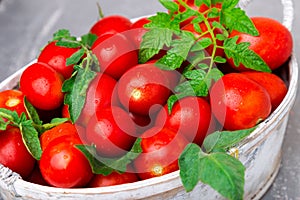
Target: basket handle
(288,11)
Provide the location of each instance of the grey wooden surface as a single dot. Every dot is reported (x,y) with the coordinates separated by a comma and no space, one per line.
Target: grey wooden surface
(26,25)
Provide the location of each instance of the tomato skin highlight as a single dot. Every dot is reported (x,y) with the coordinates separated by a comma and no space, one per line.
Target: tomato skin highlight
(116,54)
(238,102)
(14,154)
(12,100)
(143,87)
(63,165)
(161,149)
(100,94)
(191,116)
(112,131)
(56,57)
(42,86)
(274,43)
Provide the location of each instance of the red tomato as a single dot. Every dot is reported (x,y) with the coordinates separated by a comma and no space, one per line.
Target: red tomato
(161,149)
(142,122)
(142,87)
(63,129)
(191,116)
(112,131)
(115,178)
(42,86)
(272,83)
(13,152)
(238,102)
(111,25)
(137,31)
(12,100)
(100,94)
(65,111)
(274,43)
(116,54)
(56,57)
(36,176)
(63,165)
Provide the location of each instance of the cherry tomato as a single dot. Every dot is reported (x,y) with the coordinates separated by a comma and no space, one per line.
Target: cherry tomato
(116,54)
(100,94)
(112,131)
(274,85)
(13,152)
(143,87)
(161,149)
(191,116)
(115,178)
(56,57)
(36,177)
(63,165)
(274,43)
(137,31)
(65,111)
(12,100)
(238,102)
(110,25)
(42,86)
(63,129)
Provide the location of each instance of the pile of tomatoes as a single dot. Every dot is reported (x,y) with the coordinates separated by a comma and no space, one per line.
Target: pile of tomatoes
(128,100)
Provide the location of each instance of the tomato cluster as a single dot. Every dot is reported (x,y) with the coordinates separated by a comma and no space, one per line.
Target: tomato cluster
(128,100)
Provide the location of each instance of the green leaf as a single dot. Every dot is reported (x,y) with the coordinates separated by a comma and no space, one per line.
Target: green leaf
(159,35)
(242,54)
(221,171)
(214,74)
(189,162)
(88,39)
(225,139)
(63,34)
(236,19)
(229,4)
(204,42)
(198,2)
(219,59)
(32,113)
(31,139)
(3,124)
(68,43)
(75,57)
(75,89)
(53,123)
(105,166)
(170,5)
(207,2)
(9,115)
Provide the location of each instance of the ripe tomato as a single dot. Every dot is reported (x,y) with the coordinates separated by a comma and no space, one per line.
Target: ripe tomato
(110,25)
(137,31)
(142,87)
(272,83)
(63,165)
(112,131)
(191,116)
(63,129)
(65,111)
(12,100)
(36,176)
(115,178)
(116,54)
(274,43)
(42,86)
(13,152)
(56,57)
(100,94)
(161,149)
(142,122)
(238,102)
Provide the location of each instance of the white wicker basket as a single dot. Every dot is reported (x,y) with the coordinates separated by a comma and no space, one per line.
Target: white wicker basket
(260,153)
